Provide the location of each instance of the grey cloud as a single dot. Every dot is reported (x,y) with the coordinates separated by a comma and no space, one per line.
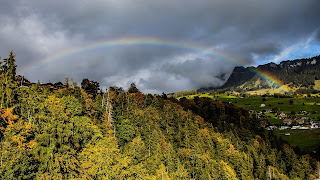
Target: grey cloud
(201,72)
(164,82)
(249,30)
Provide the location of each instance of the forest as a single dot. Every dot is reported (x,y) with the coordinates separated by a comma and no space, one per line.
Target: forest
(78,132)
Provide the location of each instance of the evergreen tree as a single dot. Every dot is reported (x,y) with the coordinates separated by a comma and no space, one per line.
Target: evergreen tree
(8,84)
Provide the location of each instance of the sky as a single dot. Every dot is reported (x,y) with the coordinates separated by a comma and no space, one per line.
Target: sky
(196,43)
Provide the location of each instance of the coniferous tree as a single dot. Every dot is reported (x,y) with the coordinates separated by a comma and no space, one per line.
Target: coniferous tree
(8,85)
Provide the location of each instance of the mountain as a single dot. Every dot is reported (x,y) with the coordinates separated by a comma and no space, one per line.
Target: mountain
(239,76)
(294,75)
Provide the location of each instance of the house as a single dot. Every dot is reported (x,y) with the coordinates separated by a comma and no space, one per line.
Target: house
(263,105)
(300,121)
(268,110)
(270,128)
(284,127)
(302,112)
(287,121)
(295,127)
(315,126)
(282,115)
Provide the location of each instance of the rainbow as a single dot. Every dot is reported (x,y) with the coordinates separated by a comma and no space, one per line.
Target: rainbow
(272,80)
(120,42)
(145,41)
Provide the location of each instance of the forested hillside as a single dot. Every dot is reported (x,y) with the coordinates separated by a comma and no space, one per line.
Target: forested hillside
(79,133)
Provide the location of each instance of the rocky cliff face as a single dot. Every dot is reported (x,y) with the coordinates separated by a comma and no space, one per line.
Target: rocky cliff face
(239,76)
(301,72)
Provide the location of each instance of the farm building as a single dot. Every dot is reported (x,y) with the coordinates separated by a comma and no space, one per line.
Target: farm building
(284,127)
(315,126)
(282,115)
(295,127)
(287,121)
(302,112)
(300,121)
(270,128)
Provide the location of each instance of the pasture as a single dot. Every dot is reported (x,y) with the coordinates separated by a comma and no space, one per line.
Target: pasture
(306,140)
(287,105)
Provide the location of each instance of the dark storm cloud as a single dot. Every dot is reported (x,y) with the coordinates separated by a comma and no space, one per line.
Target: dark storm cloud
(249,30)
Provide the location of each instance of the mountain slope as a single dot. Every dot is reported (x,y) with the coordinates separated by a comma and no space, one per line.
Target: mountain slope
(297,73)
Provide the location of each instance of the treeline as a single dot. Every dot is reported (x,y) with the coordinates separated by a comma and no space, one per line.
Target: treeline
(124,134)
(306,91)
(183,93)
(220,115)
(303,75)
(301,72)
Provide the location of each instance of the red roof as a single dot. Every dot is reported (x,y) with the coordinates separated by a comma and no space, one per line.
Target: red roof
(287,120)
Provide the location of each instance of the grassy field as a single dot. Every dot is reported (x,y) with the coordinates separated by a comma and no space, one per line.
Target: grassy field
(282,104)
(317,84)
(307,140)
(222,96)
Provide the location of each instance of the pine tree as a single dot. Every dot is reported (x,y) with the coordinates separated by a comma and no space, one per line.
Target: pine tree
(8,84)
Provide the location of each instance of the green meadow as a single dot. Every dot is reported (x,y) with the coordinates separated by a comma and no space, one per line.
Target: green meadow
(222,96)
(307,140)
(282,104)
(287,105)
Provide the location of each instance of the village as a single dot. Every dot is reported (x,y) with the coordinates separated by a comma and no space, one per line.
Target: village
(289,121)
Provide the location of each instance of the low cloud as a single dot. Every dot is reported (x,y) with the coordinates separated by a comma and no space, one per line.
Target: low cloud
(200,72)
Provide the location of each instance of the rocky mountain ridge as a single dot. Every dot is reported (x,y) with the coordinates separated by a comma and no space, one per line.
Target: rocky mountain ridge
(298,73)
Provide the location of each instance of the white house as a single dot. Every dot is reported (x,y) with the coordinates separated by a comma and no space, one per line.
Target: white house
(287,121)
(295,127)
